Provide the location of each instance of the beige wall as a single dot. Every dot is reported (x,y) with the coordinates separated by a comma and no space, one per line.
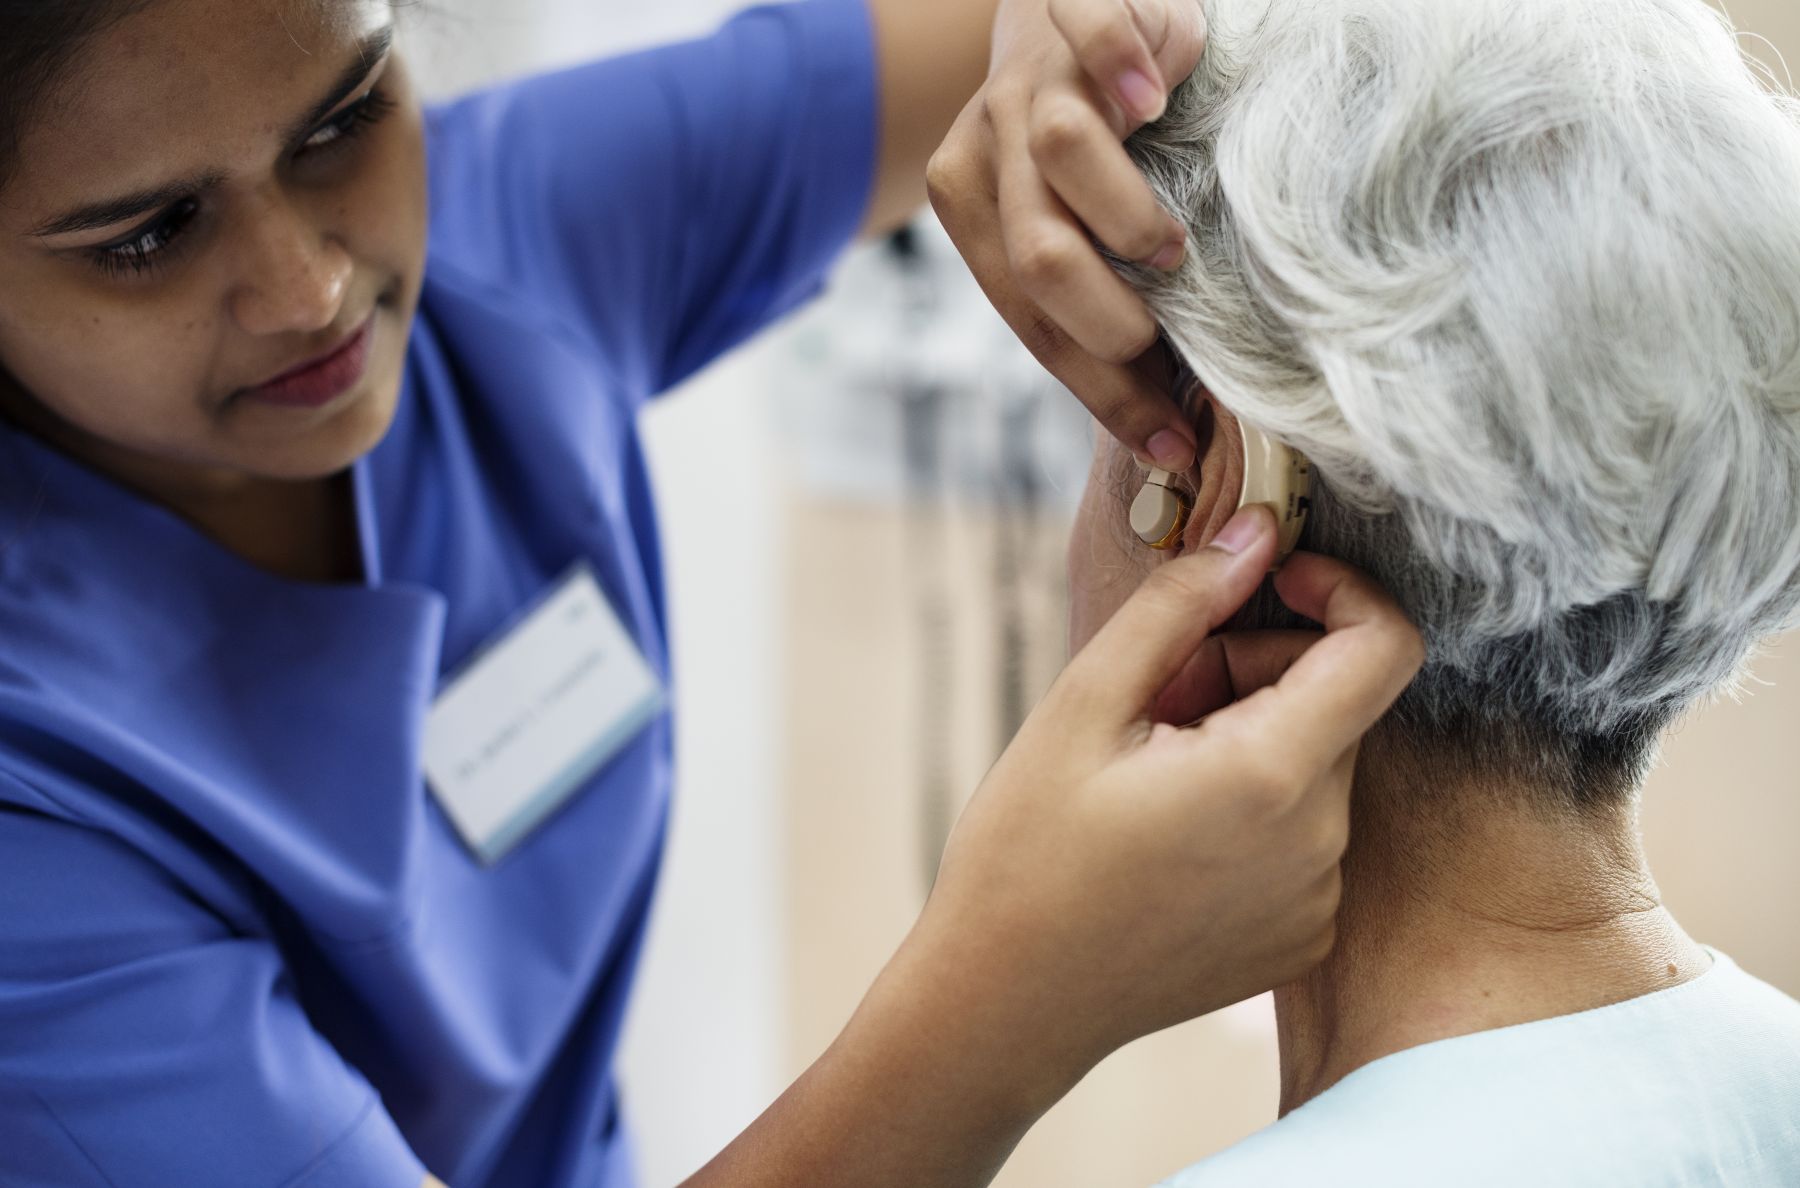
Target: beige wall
(1777,20)
(1722,819)
(1722,813)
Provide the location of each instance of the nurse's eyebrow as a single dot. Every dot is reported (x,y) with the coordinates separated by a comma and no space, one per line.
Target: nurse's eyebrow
(369,54)
(128,206)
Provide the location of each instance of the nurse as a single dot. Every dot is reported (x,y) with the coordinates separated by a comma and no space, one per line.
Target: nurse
(318,477)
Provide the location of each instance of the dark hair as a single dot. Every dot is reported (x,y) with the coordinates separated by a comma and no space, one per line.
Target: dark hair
(38,39)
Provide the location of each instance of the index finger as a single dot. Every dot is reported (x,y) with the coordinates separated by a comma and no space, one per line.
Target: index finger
(1137,411)
(1341,686)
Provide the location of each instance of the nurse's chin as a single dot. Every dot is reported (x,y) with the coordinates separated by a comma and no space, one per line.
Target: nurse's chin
(298,445)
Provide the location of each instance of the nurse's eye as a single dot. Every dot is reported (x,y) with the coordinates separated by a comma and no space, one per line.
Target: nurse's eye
(148,245)
(347,124)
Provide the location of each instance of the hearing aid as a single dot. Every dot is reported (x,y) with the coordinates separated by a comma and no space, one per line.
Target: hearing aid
(1159,514)
(1274,474)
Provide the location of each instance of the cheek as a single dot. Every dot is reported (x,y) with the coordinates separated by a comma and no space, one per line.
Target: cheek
(127,371)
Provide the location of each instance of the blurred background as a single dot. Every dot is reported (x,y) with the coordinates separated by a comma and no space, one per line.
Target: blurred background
(867,597)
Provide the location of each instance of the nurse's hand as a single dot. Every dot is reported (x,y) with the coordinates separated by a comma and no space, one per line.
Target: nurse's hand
(1112,876)
(1034,172)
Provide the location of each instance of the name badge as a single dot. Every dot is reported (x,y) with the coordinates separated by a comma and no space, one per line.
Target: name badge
(535,714)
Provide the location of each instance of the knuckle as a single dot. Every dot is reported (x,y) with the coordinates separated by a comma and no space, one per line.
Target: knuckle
(1183,585)
(1272,779)
(1271,794)
(1115,410)
(1042,261)
(1404,648)
(1111,44)
(1141,242)
(1128,345)
(947,178)
(1058,128)
(1113,351)
(1044,338)
(1007,97)
(940,173)
(1091,30)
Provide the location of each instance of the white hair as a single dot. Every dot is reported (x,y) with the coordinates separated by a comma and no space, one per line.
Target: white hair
(1523,278)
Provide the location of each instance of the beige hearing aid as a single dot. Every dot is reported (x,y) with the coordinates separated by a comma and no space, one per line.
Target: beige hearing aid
(1159,514)
(1274,474)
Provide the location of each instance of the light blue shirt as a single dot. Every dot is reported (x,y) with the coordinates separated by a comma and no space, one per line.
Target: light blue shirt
(1695,1085)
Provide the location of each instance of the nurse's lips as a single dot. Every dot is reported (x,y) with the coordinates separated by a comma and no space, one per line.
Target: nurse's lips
(323,378)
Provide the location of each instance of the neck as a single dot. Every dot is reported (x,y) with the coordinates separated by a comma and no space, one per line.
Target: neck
(301,530)
(1463,913)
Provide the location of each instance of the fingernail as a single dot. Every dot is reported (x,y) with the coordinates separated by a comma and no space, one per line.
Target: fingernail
(1242,532)
(1142,98)
(1170,450)
(1169,258)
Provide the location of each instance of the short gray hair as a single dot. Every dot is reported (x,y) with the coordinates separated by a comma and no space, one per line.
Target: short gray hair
(1523,278)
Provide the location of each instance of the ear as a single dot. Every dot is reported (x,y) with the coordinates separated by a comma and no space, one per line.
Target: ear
(1217,479)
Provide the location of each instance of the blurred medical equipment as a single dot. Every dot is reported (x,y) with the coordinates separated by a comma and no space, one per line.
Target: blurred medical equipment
(931,382)
(909,395)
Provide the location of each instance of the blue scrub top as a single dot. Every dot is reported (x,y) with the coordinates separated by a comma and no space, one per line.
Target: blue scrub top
(240,944)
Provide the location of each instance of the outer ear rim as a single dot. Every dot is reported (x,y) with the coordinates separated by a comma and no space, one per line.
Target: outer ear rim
(1217,479)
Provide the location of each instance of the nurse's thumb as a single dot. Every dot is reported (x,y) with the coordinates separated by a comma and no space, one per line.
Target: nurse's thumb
(1151,638)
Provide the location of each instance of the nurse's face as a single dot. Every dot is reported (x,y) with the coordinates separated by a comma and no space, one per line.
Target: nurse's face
(219,195)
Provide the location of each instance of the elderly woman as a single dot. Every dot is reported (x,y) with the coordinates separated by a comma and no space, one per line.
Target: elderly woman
(1522,278)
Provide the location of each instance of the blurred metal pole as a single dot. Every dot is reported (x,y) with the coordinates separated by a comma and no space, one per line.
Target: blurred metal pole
(921,392)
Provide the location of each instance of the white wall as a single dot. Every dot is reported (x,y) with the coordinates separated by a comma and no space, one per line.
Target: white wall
(704,1043)
(466,43)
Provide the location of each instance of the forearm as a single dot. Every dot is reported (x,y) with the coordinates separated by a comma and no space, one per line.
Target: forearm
(928,1084)
(933,57)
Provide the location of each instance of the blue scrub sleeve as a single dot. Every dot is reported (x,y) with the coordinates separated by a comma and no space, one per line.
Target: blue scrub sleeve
(143,1041)
(669,203)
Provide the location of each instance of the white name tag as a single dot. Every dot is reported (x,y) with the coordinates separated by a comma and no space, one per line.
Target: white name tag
(536,713)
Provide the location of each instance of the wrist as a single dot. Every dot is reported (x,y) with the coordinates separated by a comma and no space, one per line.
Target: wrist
(932,1082)
(990,1040)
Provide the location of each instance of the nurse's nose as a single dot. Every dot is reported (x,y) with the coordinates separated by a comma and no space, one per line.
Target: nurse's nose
(294,276)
